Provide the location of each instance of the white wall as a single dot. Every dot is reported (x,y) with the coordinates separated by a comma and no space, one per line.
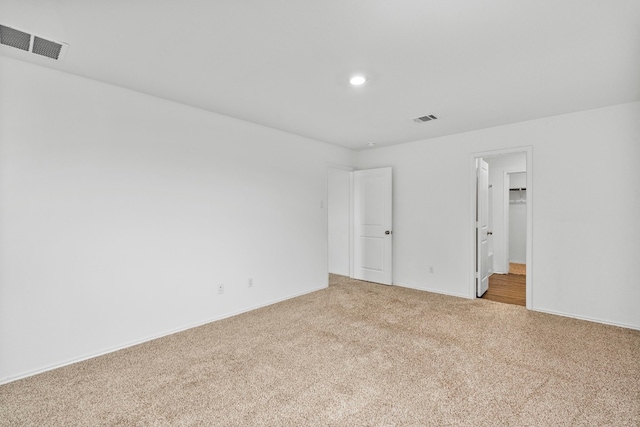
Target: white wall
(120,214)
(595,153)
(490,257)
(338,209)
(518,180)
(518,218)
(518,233)
(497,167)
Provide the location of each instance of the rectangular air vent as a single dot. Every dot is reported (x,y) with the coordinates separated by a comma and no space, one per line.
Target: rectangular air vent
(425,118)
(17,39)
(46,47)
(14,38)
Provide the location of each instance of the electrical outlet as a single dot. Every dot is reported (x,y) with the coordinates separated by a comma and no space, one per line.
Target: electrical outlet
(221,289)
(251,282)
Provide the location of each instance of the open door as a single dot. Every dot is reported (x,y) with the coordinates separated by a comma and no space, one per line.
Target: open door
(482,227)
(372,243)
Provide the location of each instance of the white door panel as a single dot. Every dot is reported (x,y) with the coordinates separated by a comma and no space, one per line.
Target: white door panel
(482,218)
(372,225)
(372,253)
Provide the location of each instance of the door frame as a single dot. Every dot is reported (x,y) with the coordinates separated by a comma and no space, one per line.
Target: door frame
(349,169)
(472,217)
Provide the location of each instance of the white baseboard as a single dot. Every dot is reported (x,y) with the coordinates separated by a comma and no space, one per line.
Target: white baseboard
(426,289)
(227,315)
(149,338)
(557,313)
(590,319)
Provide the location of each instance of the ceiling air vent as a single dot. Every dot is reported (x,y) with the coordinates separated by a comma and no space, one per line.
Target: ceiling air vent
(14,38)
(46,48)
(423,119)
(31,43)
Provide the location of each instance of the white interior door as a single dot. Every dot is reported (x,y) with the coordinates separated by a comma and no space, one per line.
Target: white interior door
(482,228)
(372,242)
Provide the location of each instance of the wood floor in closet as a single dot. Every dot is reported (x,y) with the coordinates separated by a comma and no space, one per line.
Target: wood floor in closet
(508,288)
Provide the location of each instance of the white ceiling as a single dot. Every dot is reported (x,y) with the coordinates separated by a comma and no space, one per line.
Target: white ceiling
(285,63)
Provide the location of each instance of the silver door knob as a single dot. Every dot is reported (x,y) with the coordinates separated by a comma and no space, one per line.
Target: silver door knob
(387,232)
(489,233)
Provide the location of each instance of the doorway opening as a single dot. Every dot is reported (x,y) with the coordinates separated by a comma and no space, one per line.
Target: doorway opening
(502,226)
(516,221)
(339,222)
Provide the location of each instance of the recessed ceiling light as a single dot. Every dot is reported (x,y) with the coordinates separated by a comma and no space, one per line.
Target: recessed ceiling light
(371,144)
(357,80)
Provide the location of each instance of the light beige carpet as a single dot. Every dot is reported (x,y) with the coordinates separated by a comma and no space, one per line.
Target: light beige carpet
(355,354)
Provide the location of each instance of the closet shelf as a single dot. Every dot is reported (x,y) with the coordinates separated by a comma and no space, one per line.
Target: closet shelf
(519,197)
